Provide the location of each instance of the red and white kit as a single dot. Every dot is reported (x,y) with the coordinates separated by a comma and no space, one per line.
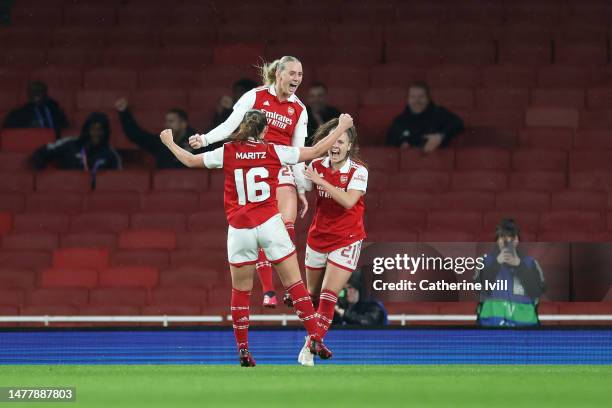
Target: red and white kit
(336,233)
(287,126)
(251,177)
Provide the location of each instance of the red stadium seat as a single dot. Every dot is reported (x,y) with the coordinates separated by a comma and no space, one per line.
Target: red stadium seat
(383,96)
(153,258)
(487,137)
(390,234)
(99,222)
(478,51)
(207,220)
(523,200)
(468,221)
(60,79)
(137,36)
(214,259)
(63,181)
(593,139)
(479,180)
(508,76)
(140,14)
(595,119)
(374,122)
(110,78)
(446,236)
(194,277)
(147,239)
(119,201)
(417,55)
(127,180)
(345,99)
(440,160)
(211,201)
(539,159)
(569,221)
(505,118)
(11,297)
(188,35)
(129,276)
(590,161)
(11,278)
(25,140)
(47,15)
(538,180)
(92,15)
(6,222)
(75,36)
(132,57)
(89,100)
(16,182)
(482,159)
(159,99)
(592,53)
(30,241)
(237,53)
(579,200)
(419,180)
(167,221)
(180,296)
(525,52)
(454,98)
(166,78)
(464,200)
(25,259)
(56,297)
(431,12)
(563,76)
(95,258)
(169,201)
(546,138)
(41,222)
(185,180)
(394,75)
(397,219)
(72,58)
(506,98)
(591,180)
(558,98)
(12,202)
(109,310)
(118,296)
(355,77)
(13,161)
(47,310)
(599,98)
(65,203)
(453,76)
(551,117)
(171,310)
(527,220)
(210,238)
(89,240)
(406,200)
(381,158)
(69,278)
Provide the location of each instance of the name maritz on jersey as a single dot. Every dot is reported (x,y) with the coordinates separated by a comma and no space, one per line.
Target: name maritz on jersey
(250,155)
(277,120)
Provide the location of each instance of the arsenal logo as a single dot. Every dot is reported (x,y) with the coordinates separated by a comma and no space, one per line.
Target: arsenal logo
(290,110)
(343,178)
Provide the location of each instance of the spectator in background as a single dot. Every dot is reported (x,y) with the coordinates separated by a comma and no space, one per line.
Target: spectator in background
(91,151)
(423,124)
(515,302)
(225,104)
(176,119)
(40,111)
(352,308)
(319,112)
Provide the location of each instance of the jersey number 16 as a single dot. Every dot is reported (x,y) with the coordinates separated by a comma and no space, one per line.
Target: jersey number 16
(250,190)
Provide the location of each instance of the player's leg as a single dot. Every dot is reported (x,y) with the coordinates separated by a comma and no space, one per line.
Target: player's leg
(242,255)
(314,279)
(315,266)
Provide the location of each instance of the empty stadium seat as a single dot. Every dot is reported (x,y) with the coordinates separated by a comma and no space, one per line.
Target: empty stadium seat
(485,180)
(89,240)
(528,220)
(153,258)
(502,98)
(468,221)
(11,297)
(551,117)
(127,180)
(169,201)
(129,276)
(559,98)
(538,180)
(11,277)
(482,159)
(179,296)
(539,159)
(395,219)
(25,140)
(523,200)
(30,241)
(546,138)
(580,221)
(579,200)
(591,180)
(94,258)
(406,200)
(147,239)
(41,222)
(465,200)
(440,160)
(119,296)
(187,180)
(508,76)
(168,221)
(189,276)
(99,222)
(57,297)
(69,278)
(592,139)
(419,180)
(16,182)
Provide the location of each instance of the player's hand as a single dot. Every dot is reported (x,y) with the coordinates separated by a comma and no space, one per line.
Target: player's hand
(166,137)
(345,121)
(312,175)
(121,104)
(197,141)
(434,141)
(304,201)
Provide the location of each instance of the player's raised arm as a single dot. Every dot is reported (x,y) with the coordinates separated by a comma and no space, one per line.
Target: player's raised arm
(345,122)
(185,157)
(225,129)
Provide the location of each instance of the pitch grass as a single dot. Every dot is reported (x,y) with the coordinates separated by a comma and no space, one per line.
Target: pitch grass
(322,386)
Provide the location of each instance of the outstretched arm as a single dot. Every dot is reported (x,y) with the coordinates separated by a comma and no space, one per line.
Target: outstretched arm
(185,157)
(308,153)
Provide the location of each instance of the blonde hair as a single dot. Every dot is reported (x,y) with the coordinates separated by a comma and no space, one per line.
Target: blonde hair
(268,69)
(253,123)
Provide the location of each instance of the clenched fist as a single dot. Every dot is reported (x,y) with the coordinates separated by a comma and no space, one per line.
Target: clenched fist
(166,137)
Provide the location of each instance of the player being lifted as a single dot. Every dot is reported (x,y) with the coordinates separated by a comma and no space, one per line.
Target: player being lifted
(287,126)
(251,169)
(335,235)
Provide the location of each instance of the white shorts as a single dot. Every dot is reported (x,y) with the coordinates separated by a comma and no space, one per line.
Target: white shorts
(344,258)
(285,176)
(243,243)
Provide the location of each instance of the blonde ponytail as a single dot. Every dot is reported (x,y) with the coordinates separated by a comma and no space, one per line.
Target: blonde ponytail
(268,69)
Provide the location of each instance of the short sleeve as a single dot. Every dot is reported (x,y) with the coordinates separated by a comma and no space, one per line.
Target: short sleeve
(214,158)
(287,154)
(359,181)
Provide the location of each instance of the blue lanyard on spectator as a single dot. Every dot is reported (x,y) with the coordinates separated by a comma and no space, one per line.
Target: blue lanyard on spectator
(94,169)
(40,118)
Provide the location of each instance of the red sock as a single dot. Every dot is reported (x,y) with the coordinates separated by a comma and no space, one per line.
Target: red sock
(303,306)
(291,230)
(264,271)
(325,312)
(315,300)
(240,317)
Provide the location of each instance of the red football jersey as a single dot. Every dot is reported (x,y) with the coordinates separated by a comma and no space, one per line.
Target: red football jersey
(251,176)
(334,226)
(283,117)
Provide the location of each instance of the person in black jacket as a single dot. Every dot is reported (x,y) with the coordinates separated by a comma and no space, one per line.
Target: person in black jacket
(423,124)
(353,309)
(91,151)
(226,103)
(319,112)
(40,112)
(176,119)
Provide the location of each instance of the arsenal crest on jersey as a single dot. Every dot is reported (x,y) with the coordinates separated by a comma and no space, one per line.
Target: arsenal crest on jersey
(343,178)
(290,110)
